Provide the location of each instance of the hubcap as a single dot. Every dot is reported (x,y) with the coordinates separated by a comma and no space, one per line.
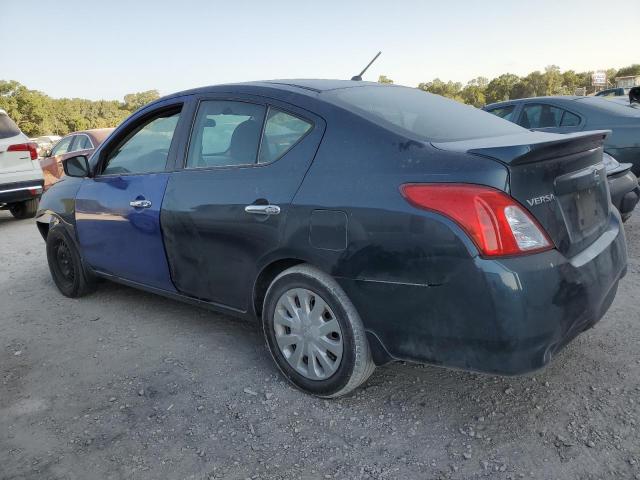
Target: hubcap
(63,257)
(308,334)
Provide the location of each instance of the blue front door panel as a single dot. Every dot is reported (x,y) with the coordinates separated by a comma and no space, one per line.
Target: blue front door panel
(119,239)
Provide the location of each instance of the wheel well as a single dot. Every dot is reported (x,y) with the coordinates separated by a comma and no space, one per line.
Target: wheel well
(44,229)
(265,278)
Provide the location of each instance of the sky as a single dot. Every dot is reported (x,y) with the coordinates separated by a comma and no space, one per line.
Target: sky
(106,49)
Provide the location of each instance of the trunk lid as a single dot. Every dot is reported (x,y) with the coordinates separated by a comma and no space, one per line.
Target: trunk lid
(559,179)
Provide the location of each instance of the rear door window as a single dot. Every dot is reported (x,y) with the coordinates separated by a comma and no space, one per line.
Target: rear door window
(7,127)
(82,142)
(281,132)
(503,112)
(146,148)
(225,133)
(540,116)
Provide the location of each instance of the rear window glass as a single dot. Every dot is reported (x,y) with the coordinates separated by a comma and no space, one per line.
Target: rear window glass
(427,116)
(611,107)
(7,127)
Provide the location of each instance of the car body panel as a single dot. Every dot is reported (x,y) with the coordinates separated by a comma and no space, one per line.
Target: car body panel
(117,238)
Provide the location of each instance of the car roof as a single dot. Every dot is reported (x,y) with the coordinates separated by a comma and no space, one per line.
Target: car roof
(309,87)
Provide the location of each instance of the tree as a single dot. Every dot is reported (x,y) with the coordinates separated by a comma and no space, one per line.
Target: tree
(473,94)
(133,101)
(499,89)
(449,89)
(384,79)
(629,71)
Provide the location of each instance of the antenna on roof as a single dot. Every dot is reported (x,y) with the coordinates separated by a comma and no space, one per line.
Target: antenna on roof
(358,78)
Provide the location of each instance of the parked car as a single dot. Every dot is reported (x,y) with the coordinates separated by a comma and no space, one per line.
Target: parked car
(568,114)
(613,92)
(84,142)
(20,174)
(350,218)
(45,143)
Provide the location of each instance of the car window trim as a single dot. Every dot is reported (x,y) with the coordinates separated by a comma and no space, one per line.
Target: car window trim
(178,107)
(226,98)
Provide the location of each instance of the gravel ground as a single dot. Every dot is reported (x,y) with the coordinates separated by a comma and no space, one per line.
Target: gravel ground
(124,384)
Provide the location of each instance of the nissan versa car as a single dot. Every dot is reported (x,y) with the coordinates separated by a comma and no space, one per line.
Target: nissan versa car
(360,223)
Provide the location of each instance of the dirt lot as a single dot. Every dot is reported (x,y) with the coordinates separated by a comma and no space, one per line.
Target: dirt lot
(124,384)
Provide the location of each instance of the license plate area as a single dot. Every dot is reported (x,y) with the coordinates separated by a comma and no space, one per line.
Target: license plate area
(584,200)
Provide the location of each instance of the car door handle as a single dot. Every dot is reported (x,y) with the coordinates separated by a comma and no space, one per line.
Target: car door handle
(140,203)
(262,209)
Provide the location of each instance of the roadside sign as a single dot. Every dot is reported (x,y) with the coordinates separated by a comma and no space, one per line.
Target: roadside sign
(599,79)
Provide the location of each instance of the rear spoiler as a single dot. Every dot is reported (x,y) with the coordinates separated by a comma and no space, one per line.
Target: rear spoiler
(528,147)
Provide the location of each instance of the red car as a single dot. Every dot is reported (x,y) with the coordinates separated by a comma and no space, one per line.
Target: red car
(77,143)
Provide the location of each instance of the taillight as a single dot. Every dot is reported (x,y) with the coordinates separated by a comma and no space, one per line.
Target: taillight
(30,147)
(497,224)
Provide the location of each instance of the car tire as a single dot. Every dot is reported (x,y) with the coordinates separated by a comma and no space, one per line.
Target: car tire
(331,356)
(26,209)
(66,267)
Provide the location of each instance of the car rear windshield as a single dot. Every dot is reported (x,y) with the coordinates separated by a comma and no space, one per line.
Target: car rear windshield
(7,127)
(427,116)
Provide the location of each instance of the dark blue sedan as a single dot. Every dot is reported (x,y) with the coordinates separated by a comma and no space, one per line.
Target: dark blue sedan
(567,114)
(359,223)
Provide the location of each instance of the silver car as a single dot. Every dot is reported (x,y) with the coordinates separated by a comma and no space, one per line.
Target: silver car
(21,179)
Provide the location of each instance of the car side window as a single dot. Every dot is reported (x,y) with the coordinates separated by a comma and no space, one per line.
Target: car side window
(225,133)
(540,116)
(82,142)
(504,112)
(569,120)
(62,147)
(281,132)
(145,149)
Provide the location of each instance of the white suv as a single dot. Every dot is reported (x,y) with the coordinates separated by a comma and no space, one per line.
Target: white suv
(21,178)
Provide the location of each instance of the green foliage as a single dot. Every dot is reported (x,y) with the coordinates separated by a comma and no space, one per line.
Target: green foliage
(630,70)
(38,114)
(384,79)
(448,89)
(480,91)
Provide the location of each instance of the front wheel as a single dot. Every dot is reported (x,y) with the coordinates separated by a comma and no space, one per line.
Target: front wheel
(315,334)
(67,270)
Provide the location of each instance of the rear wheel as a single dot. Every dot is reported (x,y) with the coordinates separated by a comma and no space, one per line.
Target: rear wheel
(68,273)
(26,209)
(315,334)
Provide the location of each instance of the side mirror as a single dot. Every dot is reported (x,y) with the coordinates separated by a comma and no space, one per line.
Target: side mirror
(77,166)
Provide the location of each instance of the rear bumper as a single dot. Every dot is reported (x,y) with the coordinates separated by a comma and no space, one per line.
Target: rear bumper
(625,191)
(507,316)
(20,191)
